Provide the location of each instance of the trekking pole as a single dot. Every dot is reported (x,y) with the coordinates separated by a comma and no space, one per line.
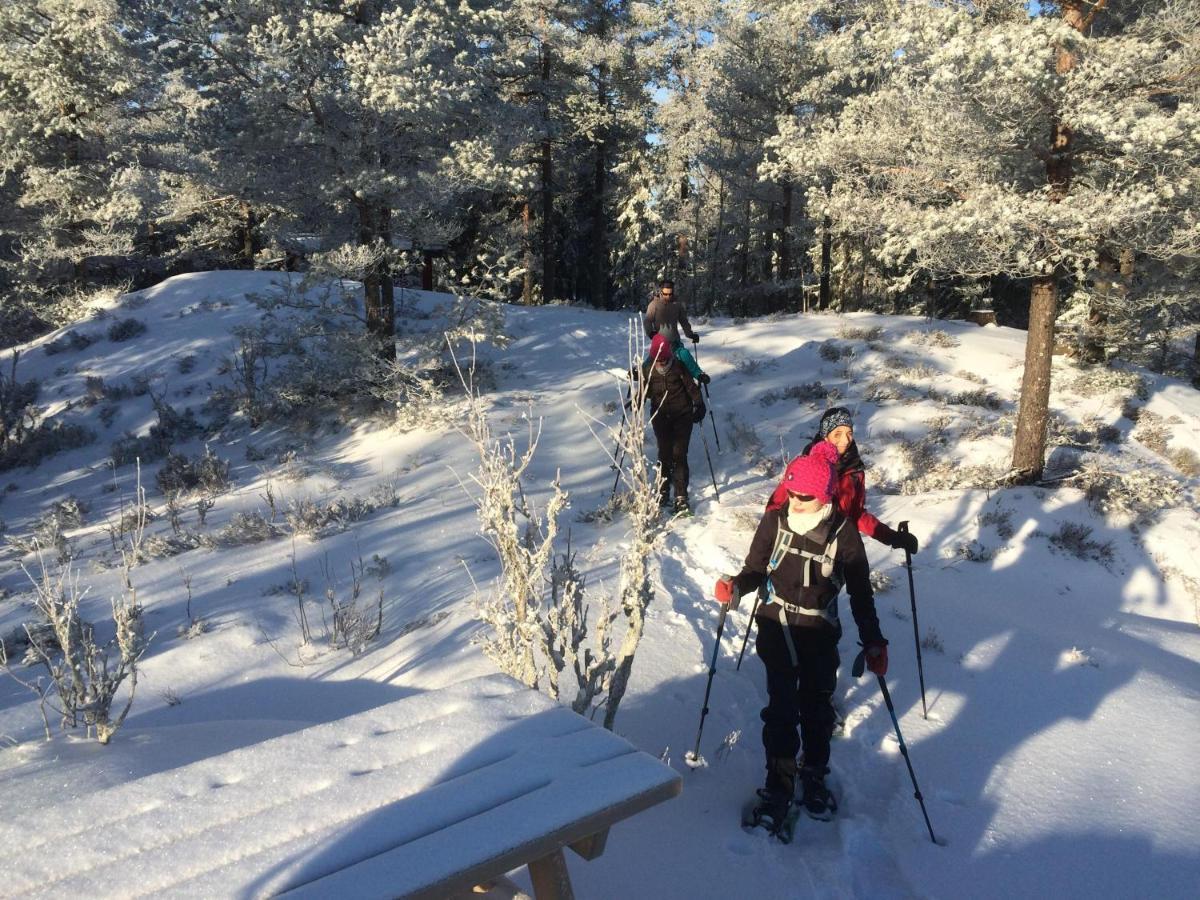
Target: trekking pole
(707,396)
(712,474)
(619,450)
(692,758)
(762,589)
(912,595)
(859,665)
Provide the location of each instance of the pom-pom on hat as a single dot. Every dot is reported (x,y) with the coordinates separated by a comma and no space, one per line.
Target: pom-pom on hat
(813,474)
(660,349)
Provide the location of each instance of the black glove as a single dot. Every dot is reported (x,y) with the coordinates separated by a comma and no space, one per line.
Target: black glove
(704,379)
(904,540)
(635,373)
(695,338)
(698,412)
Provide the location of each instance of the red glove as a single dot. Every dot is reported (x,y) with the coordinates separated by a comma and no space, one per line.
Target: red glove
(726,591)
(877,658)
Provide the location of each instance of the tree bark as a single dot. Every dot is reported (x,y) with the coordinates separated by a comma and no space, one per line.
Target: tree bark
(785,224)
(374,225)
(1029,445)
(527,254)
(547,167)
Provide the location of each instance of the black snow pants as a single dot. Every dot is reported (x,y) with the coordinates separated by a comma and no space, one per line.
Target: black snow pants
(674,433)
(799,691)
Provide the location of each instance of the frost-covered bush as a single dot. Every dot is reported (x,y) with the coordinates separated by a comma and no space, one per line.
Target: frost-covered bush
(1152,431)
(70,340)
(1185,460)
(810,392)
(1138,496)
(1075,538)
(125,329)
(831,351)
(854,333)
(977,397)
(967,375)
(246,528)
(315,517)
(1098,381)
(207,472)
(172,427)
(974,551)
(751,366)
(1001,520)
(934,338)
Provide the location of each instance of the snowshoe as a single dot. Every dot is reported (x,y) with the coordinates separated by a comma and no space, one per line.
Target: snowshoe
(817,800)
(774,813)
(682,509)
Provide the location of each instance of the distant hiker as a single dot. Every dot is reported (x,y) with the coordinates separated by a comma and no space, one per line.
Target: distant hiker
(675,405)
(804,551)
(665,315)
(837,427)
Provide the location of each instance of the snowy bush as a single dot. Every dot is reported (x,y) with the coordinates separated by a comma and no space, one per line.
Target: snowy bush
(324,517)
(86,675)
(1075,538)
(354,622)
(881,582)
(812,392)
(70,340)
(541,630)
(171,428)
(980,397)
(125,329)
(1185,460)
(853,333)
(180,474)
(934,338)
(1152,431)
(1139,496)
(1001,520)
(832,351)
(1098,381)
(974,551)
(751,366)
(246,528)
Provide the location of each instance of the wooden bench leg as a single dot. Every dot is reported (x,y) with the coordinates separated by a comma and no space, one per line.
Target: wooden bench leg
(551,880)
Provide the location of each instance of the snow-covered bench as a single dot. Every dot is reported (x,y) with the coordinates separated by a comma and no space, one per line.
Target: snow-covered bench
(427,796)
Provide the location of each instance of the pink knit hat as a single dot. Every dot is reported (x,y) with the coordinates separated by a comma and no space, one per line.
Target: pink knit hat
(660,349)
(813,474)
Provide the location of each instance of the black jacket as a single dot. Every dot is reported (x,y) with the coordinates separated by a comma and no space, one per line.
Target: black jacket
(819,597)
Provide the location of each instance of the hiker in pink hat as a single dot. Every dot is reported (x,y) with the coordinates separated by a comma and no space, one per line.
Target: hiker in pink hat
(803,552)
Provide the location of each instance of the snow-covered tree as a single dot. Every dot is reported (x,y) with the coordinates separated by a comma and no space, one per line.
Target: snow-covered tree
(992,141)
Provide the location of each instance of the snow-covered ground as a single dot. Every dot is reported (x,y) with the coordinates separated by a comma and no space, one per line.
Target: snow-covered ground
(1062,666)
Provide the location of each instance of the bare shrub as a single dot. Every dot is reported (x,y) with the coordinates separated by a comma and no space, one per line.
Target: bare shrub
(181,474)
(881,582)
(70,340)
(832,351)
(1097,381)
(324,517)
(751,366)
(247,528)
(87,675)
(354,623)
(810,392)
(539,621)
(934,338)
(1185,460)
(125,329)
(854,333)
(977,397)
(933,641)
(967,375)
(1152,432)
(1075,539)
(1138,496)
(1001,520)
(974,551)
(171,428)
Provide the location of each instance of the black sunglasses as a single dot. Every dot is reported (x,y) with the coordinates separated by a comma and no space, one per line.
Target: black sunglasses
(803,498)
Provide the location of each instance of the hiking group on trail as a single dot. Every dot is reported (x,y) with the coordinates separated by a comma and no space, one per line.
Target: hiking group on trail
(807,546)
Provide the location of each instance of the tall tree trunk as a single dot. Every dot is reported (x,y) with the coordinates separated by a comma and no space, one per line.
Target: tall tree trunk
(249,223)
(527,254)
(714,248)
(549,254)
(785,244)
(374,226)
(825,296)
(744,255)
(768,235)
(1029,445)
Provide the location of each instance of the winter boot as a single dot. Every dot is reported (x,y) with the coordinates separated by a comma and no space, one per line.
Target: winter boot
(682,508)
(816,798)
